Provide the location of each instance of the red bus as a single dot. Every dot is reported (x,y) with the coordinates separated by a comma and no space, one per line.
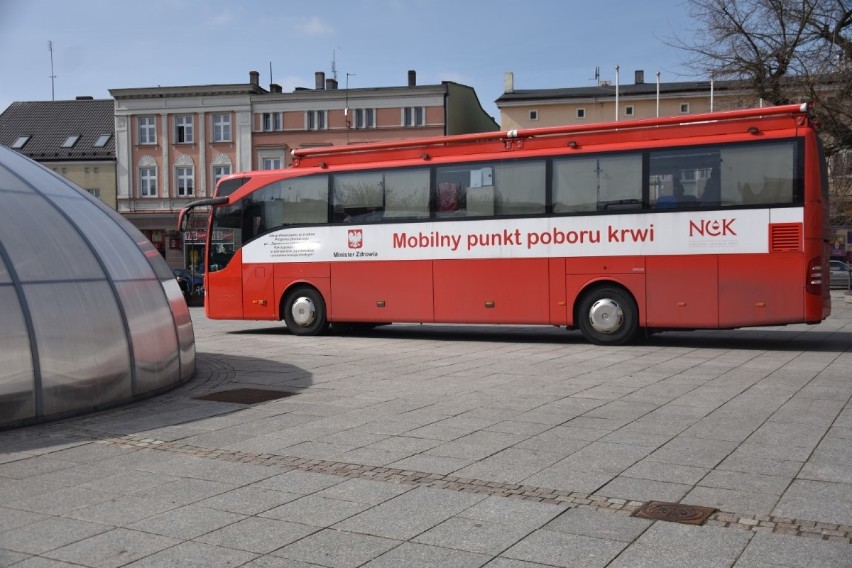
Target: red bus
(708,221)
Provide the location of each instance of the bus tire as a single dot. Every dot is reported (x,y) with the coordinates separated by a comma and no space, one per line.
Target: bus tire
(304,311)
(607,315)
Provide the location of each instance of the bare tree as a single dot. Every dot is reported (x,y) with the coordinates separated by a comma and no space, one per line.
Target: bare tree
(784,51)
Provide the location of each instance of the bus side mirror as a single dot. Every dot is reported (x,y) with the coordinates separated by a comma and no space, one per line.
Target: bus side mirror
(183,219)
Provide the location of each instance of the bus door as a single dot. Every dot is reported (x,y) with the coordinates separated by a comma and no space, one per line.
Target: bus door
(258,292)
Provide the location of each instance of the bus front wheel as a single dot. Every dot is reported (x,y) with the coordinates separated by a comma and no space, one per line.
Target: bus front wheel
(608,316)
(304,312)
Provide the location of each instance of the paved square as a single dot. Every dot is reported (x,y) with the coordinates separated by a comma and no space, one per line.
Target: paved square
(454,446)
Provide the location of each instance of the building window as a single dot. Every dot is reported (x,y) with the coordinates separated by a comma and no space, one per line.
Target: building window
(271,164)
(183,129)
(315,120)
(221,128)
(533,115)
(628,110)
(684,108)
(271,121)
(581,113)
(147,181)
(95,191)
(102,140)
(147,130)
(414,116)
(365,118)
(70,141)
(218,173)
(185,181)
(20,141)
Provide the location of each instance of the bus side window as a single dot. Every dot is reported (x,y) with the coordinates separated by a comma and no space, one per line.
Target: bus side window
(358,197)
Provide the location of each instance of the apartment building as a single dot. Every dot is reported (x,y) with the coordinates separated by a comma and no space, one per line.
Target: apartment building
(74,138)
(174,143)
(530,108)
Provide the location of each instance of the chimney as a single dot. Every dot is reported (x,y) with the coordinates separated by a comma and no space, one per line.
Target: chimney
(412,78)
(330,84)
(319,80)
(508,82)
(84,98)
(639,77)
(275,88)
(254,78)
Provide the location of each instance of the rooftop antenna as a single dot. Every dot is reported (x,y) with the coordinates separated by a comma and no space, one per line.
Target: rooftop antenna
(334,64)
(346,105)
(270,73)
(52,76)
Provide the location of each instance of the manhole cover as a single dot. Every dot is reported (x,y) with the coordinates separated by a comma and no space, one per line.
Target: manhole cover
(245,396)
(674,512)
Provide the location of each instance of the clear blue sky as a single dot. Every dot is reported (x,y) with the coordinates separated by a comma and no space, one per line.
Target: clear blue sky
(104,44)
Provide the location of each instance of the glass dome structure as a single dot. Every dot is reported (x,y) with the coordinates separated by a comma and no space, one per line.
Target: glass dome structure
(90,314)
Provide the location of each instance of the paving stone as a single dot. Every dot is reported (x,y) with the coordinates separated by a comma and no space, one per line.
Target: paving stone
(337,549)
(782,550)
(248,500)
(315,510)
(644,489)
(828,502)
(473,535)
(364,491)
(410,514)
(187,522)
(257,535)
(195,555)
(48,534)
(596,524)
(672,545)
(413,555)
(14,518)
(112,549)
(745,502)
(561,549)
(301,482)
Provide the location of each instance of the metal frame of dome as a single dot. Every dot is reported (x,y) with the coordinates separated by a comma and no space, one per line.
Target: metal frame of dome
(91,314)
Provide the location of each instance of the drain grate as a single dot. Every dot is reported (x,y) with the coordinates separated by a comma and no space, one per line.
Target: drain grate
(674,512)
(245,396)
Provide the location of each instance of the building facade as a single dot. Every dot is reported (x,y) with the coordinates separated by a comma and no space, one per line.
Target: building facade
(174,143)
(74,138)
(531,108)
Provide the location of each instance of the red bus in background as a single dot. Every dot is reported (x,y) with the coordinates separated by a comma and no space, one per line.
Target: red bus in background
(691,222)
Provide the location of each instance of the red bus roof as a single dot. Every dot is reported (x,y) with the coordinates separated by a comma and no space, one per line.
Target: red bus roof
(426,148)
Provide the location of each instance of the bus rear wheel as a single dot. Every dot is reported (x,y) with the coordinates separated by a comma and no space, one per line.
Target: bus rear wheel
(304,312)
(608,316)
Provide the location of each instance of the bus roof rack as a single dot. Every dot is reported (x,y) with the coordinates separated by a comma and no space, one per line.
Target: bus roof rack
(418,147)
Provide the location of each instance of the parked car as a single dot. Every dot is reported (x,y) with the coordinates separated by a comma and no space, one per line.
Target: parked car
(190,284)
(840,274)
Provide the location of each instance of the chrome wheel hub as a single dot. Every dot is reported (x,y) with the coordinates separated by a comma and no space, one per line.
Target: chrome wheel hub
(606,316)
(303,311)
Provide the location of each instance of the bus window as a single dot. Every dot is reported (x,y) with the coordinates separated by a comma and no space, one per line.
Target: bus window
(600,183)
(359,197)
(759,174)
(406,194)
(520,188)
(726,176)
(682,177)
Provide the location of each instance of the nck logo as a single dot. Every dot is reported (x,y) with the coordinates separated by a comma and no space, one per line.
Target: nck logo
(356,238)
(712,228)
